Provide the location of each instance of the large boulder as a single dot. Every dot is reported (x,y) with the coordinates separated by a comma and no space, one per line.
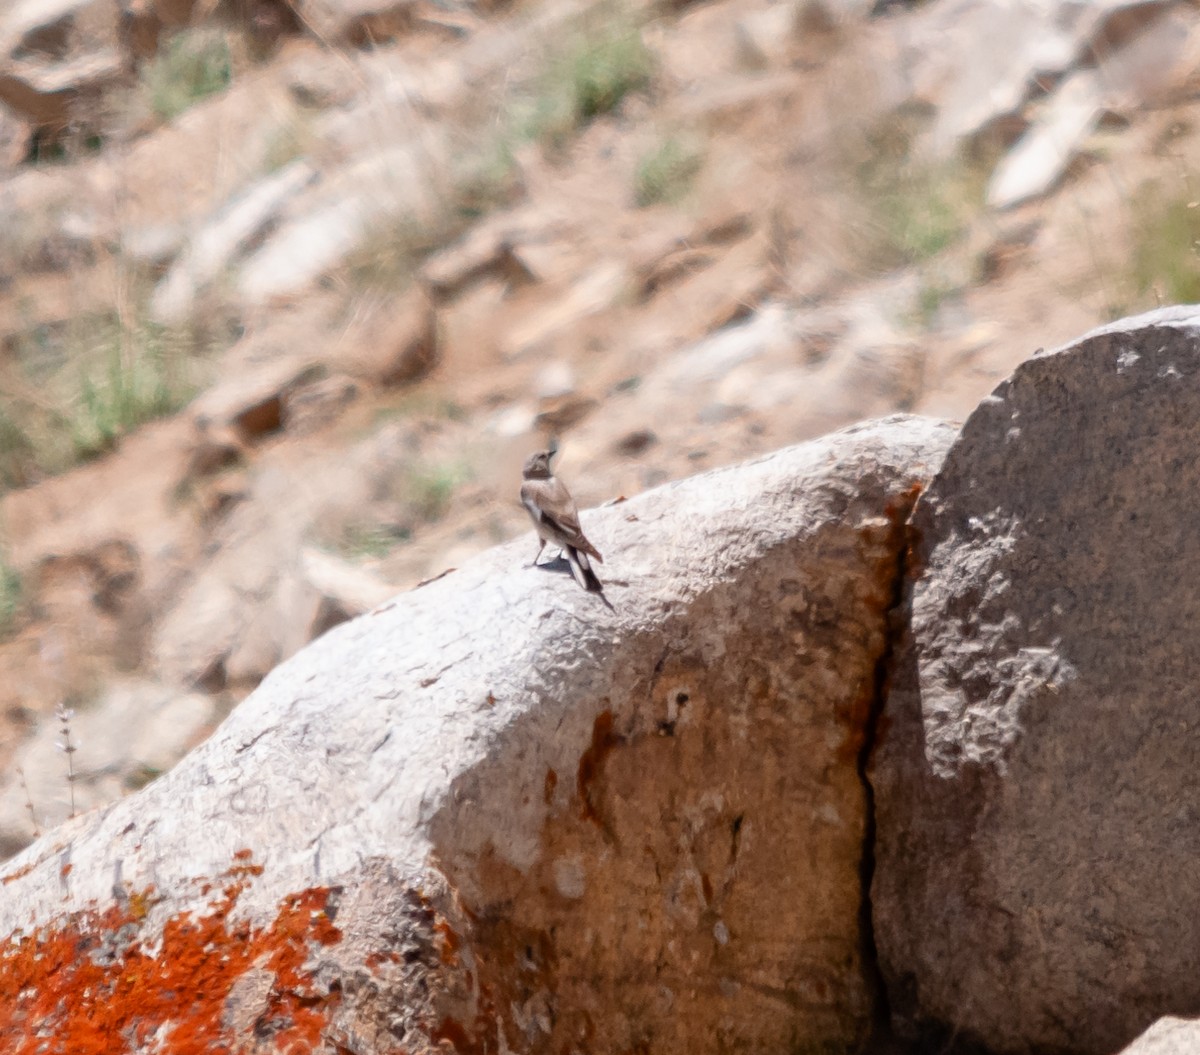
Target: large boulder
(1168,1036)
(502,814)
(1037,782)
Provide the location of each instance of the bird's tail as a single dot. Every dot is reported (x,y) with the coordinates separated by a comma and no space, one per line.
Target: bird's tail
(581,569)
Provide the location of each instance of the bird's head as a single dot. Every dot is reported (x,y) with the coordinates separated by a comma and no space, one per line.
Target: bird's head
(537,466)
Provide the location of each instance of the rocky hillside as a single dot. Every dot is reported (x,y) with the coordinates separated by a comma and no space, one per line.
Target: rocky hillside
(287,290)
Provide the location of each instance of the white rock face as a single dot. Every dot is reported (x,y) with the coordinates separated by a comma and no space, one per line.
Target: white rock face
(497,812)
(1168,1036)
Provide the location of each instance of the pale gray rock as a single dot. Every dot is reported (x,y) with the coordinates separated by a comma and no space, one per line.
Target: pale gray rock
(1168,1036)
(490,249)
(555,380)
(155,244)
(213,249)
(1041,157)
(133,732)
(250,605)
(259,595)
(868,367)
(976,89)
(1037,782)
(983,92)
(497,814)
(373,197)
(1139,70)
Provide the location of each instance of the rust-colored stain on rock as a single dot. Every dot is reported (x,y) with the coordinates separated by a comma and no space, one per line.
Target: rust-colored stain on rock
(603,741)
(865,710)
(448,942)
(91,984)
(12,877)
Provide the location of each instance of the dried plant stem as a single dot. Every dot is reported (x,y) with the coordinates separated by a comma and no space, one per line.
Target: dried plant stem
(37,828)
(64,714)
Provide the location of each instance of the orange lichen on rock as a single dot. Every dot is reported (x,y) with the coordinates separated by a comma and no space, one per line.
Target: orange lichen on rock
(90,983)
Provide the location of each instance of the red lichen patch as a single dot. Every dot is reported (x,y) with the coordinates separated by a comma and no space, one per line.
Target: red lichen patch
(375,960)
(89,984)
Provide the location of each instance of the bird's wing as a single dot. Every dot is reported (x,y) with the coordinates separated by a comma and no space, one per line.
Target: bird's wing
(530,502)
(556,508)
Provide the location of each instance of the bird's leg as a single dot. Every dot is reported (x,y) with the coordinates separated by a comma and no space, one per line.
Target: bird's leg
(541,546)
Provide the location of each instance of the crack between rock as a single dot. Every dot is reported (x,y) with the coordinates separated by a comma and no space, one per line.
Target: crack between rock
(880,1040)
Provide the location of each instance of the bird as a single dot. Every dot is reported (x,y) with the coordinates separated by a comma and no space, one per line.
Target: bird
(556,519)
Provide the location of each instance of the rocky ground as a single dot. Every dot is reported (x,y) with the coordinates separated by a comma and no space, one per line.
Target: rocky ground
(288,291)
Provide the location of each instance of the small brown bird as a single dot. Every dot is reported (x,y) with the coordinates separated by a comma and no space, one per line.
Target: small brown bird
(556,519)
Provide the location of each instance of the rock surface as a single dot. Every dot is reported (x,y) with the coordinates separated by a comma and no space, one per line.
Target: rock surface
(1036,786)
(1168,1036)
(126,738)
(499,815)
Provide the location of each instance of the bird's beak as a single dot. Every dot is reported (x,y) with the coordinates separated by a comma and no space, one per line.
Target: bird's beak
(552,450)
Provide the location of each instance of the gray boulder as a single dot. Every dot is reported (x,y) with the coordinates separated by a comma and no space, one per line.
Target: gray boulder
(1037,781)
(496,814)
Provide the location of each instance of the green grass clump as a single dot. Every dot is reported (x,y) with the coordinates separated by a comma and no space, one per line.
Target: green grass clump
(591,76)
(1166,240)
(369,541)
(79,387)
(907,208)
(193,65)
(135,381)
(666,172)
(11,597)
(430,486)
(915,213)
(18,451)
